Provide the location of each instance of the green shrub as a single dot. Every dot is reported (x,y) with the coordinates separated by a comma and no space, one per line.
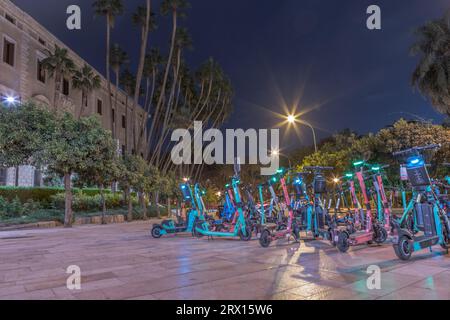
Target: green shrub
(41,194)
(15,208)
(85,203)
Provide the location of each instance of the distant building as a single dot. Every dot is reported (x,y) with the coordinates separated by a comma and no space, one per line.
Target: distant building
(23,42)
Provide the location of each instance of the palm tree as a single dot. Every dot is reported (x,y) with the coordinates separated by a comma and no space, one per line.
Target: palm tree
(86,81)
(175,7)
(152,62)
(118,58)
(110,9)
(58,64)
(128,82)
(182,40)
(432,74)
(142,18)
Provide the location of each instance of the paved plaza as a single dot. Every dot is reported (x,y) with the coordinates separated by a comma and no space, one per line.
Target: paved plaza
(121,261)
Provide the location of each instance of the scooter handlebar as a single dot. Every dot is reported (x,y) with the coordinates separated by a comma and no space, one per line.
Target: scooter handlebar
(318,168)
(415,149)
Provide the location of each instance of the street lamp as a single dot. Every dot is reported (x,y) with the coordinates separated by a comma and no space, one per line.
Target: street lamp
(185,179)
(292,119)
(10,100)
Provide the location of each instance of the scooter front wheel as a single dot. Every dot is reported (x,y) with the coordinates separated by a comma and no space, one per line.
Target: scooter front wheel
(403,248)
(265,239)
(343,244)
(156,232)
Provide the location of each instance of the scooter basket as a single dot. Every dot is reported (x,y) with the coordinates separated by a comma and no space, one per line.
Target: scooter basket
(320,185)
(425,219)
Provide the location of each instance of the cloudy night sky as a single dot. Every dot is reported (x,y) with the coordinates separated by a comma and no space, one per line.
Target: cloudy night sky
(277,52)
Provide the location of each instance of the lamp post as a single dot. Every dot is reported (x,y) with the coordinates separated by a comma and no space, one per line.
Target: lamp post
(293,119)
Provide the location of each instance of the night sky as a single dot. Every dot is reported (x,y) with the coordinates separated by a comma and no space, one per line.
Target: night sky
(280,51)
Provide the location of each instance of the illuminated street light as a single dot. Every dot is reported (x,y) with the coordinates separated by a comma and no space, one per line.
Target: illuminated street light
(336,180)
(293,119)
(219,194)
(185,179)
(10,100)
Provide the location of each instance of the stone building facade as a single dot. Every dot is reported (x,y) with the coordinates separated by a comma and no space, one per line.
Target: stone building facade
(23,45)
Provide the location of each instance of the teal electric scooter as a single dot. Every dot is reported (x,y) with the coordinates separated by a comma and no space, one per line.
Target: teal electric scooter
(181,226)
(240,227)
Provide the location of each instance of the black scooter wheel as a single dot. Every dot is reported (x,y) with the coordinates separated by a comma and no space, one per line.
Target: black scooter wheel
(403,248)
(380,235)
(156,232)
(343,244)
(265,239)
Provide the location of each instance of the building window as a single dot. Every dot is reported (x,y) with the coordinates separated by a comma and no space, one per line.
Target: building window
(113,115)
(42,41)
(123,150)
(40,71)
(10,18)
(124,122)
(66,86)
(2,177)
(9,49)
(99,106)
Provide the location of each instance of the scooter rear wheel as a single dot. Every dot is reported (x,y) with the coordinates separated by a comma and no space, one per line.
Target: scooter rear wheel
(265,239)
(343,244)
(403,248)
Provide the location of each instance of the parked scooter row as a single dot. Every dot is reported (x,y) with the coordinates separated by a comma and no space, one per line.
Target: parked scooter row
(362,208)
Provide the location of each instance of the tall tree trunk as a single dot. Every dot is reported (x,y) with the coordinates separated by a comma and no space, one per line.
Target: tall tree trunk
(102,196)
(140,71)
(114,120)
(143,204)
(156,204)
(68,201)
(108,63)
(169,209)
(130,205)
(166,75)
(57,89)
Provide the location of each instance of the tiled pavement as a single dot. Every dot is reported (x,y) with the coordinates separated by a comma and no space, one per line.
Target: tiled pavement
(122,261)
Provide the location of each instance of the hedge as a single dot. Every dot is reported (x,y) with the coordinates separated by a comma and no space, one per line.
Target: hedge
(40,194)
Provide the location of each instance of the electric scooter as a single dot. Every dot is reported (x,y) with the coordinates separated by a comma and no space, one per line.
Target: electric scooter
(372,231)
(270,233)
(430,221)
(384,209)
(240,227)
(181,226)
(321,219)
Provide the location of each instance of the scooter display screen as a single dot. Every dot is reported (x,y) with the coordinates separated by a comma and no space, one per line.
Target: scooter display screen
(418,176)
